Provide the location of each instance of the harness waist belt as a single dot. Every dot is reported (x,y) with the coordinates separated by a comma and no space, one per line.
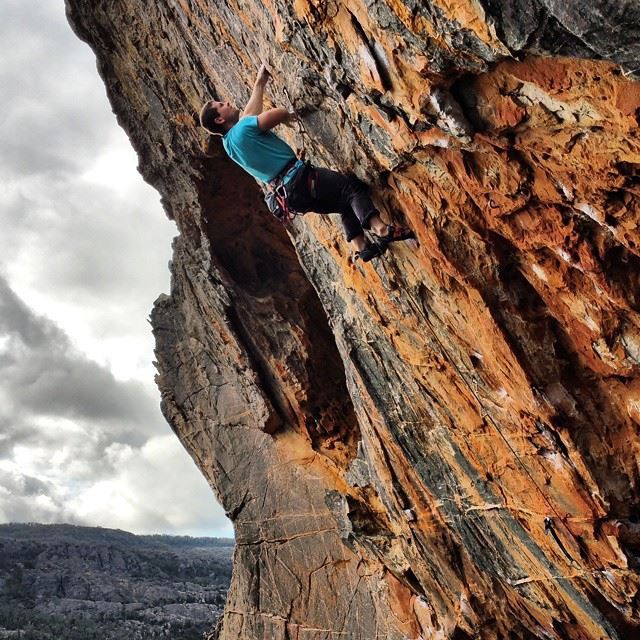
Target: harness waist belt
(288,172)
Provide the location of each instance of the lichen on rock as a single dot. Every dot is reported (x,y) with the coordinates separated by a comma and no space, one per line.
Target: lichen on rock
(442,443)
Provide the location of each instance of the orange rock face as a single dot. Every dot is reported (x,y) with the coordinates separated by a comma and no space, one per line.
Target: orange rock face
(442,443)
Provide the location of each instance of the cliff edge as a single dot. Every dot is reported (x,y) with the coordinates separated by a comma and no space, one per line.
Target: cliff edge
(442,443)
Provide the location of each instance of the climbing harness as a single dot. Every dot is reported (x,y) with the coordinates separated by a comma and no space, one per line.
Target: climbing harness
(277,203)
(280,188)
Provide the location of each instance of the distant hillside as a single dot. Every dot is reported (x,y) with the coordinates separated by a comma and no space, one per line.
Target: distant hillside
(80,583)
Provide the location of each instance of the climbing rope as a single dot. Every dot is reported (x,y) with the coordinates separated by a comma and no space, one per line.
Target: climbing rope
(301,127)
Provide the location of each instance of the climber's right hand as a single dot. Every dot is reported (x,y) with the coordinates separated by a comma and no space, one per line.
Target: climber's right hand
(263,75)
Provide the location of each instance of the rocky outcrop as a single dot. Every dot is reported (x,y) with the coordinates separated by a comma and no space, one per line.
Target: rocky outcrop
(63,581)
(442,444)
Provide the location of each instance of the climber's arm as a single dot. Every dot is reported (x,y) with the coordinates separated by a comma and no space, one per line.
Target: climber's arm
(273,117)
(254,106)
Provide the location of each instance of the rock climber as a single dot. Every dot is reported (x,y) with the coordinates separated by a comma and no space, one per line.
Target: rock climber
(249,140)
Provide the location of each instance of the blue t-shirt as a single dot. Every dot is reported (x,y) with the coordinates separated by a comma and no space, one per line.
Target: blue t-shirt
(261,153)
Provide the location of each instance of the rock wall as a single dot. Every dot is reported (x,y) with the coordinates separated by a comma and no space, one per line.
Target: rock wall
(442,443)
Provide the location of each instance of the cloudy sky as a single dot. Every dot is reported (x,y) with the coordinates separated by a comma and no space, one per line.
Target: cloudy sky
(84,247)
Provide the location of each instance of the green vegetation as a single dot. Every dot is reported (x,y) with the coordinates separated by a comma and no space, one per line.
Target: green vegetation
(38,626)
(65,583)
(44,532)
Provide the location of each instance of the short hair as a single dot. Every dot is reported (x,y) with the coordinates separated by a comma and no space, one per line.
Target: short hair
(208,115)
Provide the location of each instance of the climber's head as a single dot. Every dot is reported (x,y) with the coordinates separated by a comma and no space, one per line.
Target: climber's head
(218,117)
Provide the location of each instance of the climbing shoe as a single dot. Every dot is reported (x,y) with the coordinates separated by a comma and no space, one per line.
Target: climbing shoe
(394,235)
(369,252)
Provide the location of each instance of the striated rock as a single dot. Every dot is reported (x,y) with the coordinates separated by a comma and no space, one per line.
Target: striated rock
(443,444)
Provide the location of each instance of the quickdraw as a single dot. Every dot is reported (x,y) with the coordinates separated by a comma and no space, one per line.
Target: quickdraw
(550,529)
(280,192)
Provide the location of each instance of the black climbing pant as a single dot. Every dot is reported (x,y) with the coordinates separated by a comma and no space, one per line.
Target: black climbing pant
(326,191)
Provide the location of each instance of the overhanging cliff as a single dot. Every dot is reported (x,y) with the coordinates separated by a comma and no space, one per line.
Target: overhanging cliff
(443,443)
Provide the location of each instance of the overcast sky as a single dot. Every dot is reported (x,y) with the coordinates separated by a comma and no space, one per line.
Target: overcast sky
(84,247)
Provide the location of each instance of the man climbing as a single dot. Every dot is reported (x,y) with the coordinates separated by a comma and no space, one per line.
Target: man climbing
(249,140)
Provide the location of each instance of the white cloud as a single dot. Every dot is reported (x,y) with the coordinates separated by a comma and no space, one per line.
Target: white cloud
(84,238)
(151,489)
(112,168)
(93,268)
(83,254)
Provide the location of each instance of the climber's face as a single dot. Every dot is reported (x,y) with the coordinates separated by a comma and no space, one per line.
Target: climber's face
(227,113)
